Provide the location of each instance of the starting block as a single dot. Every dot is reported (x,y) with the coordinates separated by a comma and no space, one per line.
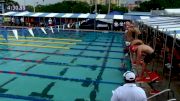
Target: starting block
(143,79)
(154,92)
(154,76)
(151,77)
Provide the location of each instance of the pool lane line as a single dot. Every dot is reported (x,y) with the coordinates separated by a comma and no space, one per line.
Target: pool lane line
(30,45)
(65,39)
(61,54)
(121,46)
(62,64)
(96,41)
(73,43)
(20,97)
(96,50)
(41,38)
(34,41)
(58,47)
(58,77)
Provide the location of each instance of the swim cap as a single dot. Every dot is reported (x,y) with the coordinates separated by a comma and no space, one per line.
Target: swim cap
(133,48)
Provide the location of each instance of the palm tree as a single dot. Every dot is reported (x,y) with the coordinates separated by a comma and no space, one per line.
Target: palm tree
(109,7)
(95,1)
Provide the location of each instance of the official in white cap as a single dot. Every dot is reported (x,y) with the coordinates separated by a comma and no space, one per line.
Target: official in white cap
(129,91)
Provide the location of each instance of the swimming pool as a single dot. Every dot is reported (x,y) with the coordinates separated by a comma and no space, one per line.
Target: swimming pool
(62,66)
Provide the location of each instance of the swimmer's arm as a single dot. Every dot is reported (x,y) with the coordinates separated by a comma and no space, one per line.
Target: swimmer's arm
(138,59)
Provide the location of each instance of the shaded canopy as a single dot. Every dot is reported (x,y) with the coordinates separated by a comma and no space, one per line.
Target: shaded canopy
(116,13)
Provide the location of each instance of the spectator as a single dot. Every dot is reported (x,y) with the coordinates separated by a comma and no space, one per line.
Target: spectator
(12,21)
(41,23)
(121,24)
(116,26)
(31,22)
(22,21)
(50,22)
(17,21)
(129,91)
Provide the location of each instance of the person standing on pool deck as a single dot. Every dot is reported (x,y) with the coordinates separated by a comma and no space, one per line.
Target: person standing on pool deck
(129,91)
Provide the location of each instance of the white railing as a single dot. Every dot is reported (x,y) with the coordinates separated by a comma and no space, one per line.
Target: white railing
(166,90)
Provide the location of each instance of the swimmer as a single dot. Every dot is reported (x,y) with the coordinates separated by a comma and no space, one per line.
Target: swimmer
(136,42)
(144,52)
(132,33)
(132,48)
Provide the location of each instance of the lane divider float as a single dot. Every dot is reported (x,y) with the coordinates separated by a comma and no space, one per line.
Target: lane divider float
(62,54)
(58,77)
(64,64)
(30,45)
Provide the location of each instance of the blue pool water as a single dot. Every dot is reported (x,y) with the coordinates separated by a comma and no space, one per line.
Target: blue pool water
(62,66)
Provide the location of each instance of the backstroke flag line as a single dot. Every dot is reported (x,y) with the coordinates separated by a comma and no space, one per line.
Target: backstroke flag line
(42,28)
(15,32)
(30,31)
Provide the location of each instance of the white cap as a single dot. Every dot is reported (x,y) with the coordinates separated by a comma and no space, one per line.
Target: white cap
(130,76)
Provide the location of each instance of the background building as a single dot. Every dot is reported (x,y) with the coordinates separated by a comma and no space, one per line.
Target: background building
(103,2)
(136,3)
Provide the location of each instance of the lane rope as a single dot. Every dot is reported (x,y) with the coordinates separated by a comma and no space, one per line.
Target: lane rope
(68,39)
(58,77)
(48,38)
(59,47)
(63,64)
(62,54)
(121,46)
(29,98)
(30,45)
(43,42)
